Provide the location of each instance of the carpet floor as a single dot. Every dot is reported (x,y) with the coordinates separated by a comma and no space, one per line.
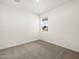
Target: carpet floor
(38,50)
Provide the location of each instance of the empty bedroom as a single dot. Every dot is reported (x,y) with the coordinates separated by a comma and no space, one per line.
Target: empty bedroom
(39,29)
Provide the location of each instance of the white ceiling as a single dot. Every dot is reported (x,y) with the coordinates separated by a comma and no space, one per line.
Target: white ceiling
(34,6)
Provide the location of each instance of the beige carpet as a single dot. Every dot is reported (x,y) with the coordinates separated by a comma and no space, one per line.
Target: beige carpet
(38,50)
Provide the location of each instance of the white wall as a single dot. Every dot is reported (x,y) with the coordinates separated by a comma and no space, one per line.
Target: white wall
(63,26)
(17,26)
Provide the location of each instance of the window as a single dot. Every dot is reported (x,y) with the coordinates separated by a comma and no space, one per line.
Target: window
(44,24)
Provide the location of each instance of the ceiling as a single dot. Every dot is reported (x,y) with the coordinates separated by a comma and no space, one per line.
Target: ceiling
(35,6)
